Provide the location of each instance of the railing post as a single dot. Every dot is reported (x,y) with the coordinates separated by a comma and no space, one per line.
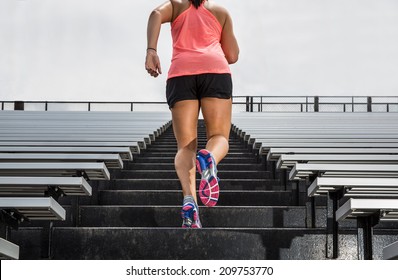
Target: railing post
(353,104)
(89,106)
(132,106)
(316,104)
(46,106)
(306,104)
(249,103)
(19,106)
(369,104)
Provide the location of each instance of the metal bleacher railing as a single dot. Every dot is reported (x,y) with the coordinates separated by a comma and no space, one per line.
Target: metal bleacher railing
(317,103)
(240,104)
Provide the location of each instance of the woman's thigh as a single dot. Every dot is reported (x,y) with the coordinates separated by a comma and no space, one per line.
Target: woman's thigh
(217,114)
(185,120)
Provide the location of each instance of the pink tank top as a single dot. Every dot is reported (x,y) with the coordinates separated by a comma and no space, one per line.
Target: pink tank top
(196,44)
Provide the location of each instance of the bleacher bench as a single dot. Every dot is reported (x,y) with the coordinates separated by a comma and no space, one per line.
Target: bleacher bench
(287,161)
(124,152)
(355,208)
(355,186)
(112,161)
(133,146)
(304,170)
(34,208)
(390,252)
(36,186)
(8,250)
(264,150)
(93,170)
(275,153)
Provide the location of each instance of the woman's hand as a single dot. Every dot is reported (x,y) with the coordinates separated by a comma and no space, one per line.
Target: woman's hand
(152,63)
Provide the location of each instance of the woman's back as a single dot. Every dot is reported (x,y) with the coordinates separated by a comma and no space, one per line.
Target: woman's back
(179,6)
(196,36)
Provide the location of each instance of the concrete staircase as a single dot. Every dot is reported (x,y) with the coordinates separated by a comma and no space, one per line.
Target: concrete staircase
(136,215)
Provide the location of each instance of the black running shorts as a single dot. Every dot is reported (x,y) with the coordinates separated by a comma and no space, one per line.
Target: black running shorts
(196,87)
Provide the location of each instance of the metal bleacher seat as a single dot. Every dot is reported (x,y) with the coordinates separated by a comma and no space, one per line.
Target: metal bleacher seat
(385,209)
(93,170)
(133,129)
(287,161)
(112,161)
(265,148)
(8,250)
(38,186)
(124,152)
(390,252)
(357,187)
(262,128)
(304,170)
(61,145)
(33,208)
(275,153)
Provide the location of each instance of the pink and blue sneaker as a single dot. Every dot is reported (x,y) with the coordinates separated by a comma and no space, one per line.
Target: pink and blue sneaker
(209,189)
(190,216)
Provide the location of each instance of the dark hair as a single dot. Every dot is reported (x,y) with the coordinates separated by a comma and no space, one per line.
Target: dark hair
(196,3)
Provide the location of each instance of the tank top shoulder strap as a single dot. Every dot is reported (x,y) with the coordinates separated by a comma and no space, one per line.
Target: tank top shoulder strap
(183,12)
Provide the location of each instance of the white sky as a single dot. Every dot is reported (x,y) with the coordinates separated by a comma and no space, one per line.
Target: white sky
(93,50)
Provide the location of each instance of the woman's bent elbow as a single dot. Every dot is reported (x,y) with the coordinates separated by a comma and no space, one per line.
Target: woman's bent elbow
(232,58)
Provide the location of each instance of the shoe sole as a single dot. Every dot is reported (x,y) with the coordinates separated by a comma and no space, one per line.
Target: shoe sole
(209,190)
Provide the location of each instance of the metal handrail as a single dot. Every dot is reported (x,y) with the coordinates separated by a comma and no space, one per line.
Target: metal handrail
(252,103)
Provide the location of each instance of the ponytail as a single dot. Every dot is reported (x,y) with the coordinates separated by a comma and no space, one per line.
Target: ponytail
(196,3)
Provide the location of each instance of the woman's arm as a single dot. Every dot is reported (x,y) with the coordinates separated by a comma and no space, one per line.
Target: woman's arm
(229,43)
(161,14)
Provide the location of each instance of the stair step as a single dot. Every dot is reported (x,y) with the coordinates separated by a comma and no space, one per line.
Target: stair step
(165,142)
(170,159)
(179,244)
(162,144)
(320,221)
(174,150)
(169,216)
(92,243)
(174,184)
(135,243)
(201,145)
(170,166)
(172,154)
(171,174)
(168,197)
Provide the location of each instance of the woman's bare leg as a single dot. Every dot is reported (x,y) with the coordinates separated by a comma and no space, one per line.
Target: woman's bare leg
(185,121)
(217,115)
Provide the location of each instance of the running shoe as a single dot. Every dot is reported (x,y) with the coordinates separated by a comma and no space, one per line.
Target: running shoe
(208,188)
(190,216)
